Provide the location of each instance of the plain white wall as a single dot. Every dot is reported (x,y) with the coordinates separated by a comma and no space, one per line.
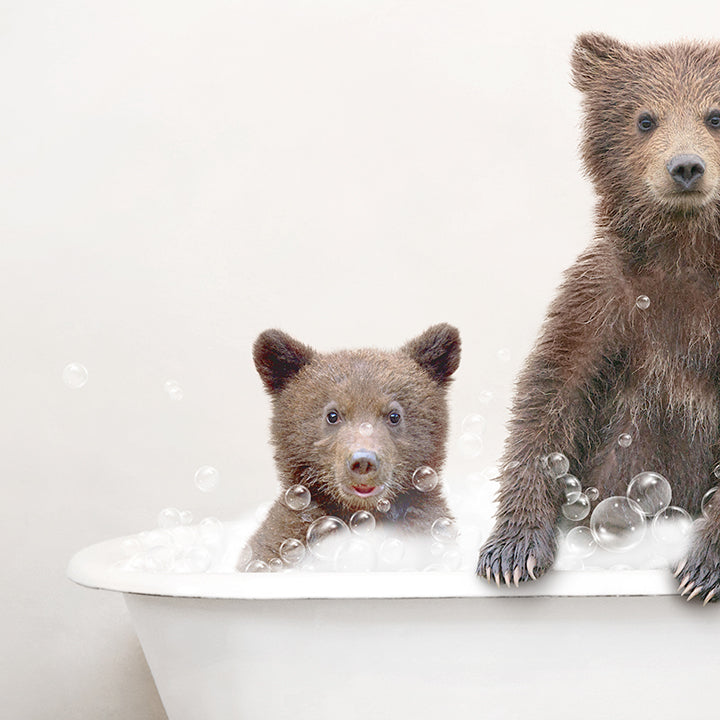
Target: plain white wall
(177,177)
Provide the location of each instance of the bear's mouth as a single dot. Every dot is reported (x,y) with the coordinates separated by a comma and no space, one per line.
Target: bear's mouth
(367,490)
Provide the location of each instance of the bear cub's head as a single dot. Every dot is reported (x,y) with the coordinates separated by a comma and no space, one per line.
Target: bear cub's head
(353,426)
(652,126)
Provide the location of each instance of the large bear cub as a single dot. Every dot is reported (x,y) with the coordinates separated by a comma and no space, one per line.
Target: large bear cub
(631,345)
(352,427)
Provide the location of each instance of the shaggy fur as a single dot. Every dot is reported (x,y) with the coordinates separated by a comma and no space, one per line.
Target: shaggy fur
(602,366)
(361,386)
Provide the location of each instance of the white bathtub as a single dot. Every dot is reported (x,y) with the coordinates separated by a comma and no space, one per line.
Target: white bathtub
(591,644)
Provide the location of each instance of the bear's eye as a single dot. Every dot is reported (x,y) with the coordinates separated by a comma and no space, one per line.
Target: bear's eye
(646,122)
(713,119)
(333,417)
(394,417)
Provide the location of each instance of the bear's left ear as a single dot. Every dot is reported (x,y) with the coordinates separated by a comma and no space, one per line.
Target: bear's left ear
(592,55)
(437,351)
(278,357)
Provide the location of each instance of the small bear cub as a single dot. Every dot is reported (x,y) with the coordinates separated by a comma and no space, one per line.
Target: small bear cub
(349,430)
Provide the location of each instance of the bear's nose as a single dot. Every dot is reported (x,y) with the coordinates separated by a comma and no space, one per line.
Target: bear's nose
(686,170)
(363,462)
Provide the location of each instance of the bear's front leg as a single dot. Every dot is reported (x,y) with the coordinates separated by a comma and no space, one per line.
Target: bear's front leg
(699,572)
(522,545)
(566,383)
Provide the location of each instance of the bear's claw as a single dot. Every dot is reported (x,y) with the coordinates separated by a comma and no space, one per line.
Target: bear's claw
(516,554)
(700,572)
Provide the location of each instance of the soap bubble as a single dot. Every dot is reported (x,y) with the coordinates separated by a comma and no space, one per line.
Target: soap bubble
(592,493)
(618,524)
(210,529)
(186,517)
(625,440)
(75,375)
(716,471)
(474,424)
(485,397)
(392,551)
(173,389)
(365,429)
(206,478)
(503,354)
(651,491)
(255,566)
(325,535)
(425,478)
(355,555)
(244,558)
(169,518)
(196,560)
(297,497)
(492,472)
(275,564)
(708,501)
(383,505)
(580,542)
(699,525)
(159,559)
(571,487)
(292,551)
(437,548)
(444,530)
(362,522)
(672,525)
(470,445)
(557,464)
(452,559)
(578,509)
(642,302)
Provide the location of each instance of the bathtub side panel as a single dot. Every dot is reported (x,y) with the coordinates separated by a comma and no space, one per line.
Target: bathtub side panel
(355,659)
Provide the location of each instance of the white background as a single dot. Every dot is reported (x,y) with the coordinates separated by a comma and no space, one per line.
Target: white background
(178,176)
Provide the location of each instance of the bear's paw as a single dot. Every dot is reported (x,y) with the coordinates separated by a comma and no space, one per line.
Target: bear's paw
(515,553)
(699,572)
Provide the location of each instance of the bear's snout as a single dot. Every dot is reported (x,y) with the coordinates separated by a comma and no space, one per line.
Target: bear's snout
(686,170)
(363,462)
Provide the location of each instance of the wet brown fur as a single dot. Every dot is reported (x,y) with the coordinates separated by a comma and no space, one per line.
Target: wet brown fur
(602,366)
(363,386)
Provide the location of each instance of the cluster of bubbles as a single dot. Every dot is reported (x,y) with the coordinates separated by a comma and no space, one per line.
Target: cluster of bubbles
(175,546)
(361,544)
(620,523)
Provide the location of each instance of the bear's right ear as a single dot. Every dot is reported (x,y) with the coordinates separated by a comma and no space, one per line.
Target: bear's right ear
(278,357)
(437,350)
(592,55)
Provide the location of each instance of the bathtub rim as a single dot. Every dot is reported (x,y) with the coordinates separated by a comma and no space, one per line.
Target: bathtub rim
(98,566)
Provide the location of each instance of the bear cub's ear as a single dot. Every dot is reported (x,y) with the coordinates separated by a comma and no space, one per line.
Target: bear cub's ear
(592,55)
(278,357)
(437,351)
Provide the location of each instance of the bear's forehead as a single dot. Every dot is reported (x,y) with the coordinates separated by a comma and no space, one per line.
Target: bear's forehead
(362,378)
(669,75)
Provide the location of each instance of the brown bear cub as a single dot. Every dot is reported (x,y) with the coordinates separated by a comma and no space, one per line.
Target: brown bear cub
(352,427)
(632,342)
